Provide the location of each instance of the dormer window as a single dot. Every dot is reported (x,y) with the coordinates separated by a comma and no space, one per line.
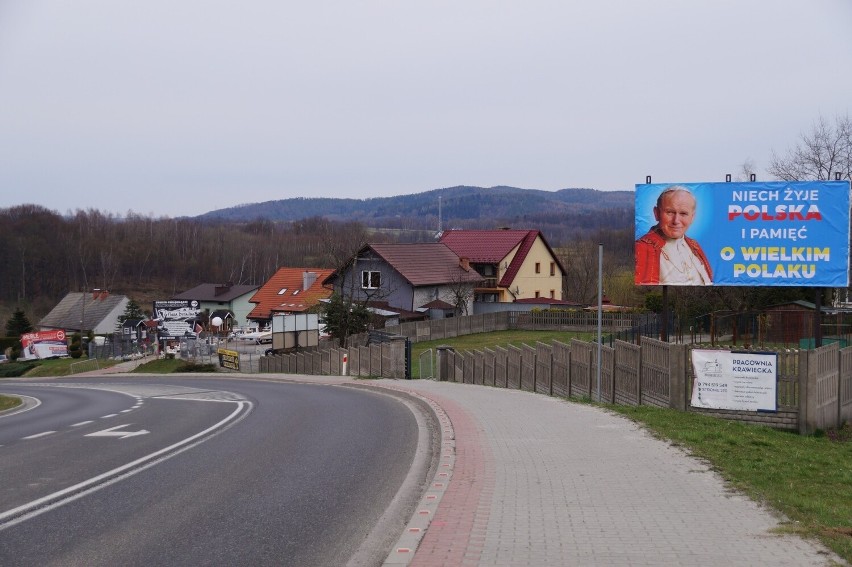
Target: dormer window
(296,291)
(282,291)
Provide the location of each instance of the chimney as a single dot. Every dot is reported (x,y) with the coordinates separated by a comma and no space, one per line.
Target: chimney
(224,288)
(464,263)
(308,279)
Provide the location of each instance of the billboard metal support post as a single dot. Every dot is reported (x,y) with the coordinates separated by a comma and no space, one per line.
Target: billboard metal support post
(600,316)
(818,317)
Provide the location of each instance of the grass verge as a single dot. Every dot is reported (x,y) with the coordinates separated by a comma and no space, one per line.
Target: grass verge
(490,340)
(53,367)
(807,478)
(7,402)
(171,365)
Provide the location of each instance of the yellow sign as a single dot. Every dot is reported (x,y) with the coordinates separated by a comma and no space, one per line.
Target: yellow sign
(229,359)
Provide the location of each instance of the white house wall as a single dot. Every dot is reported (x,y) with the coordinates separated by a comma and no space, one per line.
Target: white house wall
(426,294)
(109,324)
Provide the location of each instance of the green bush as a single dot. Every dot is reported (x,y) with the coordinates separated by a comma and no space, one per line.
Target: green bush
(14,369)
(76,348)
(195,367)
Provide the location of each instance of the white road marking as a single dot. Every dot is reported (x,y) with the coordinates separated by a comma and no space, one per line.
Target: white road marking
(109,416)
(82,423)
(111,432)
(37,435)
(51,501)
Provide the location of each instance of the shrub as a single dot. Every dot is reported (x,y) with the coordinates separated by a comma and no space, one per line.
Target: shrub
(76,348)
(15,369)
(195,367)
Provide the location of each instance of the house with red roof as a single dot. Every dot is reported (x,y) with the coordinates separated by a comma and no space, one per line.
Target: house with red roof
(414,280)
(288,291)
(514,264)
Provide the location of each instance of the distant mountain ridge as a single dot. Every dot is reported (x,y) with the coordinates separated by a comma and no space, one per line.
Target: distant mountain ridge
(461,203)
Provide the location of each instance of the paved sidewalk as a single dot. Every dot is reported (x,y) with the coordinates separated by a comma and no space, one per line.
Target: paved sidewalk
(540,481)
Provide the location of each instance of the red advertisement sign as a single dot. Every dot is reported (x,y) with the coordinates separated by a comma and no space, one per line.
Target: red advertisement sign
(43,344)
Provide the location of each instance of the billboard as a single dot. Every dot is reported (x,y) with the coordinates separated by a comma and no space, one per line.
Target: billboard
(743,234)
(43,344)
(176,318)
(734,380)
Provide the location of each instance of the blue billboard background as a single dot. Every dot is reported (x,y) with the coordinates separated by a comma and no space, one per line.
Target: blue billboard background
(765,234)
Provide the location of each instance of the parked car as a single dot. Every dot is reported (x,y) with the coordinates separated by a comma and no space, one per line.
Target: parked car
(3,358)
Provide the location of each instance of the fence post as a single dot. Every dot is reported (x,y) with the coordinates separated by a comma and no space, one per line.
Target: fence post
(677,376)
(443,362)
(551,373)
(805,427)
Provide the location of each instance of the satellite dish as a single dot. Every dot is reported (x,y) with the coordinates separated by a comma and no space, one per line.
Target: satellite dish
(216,321)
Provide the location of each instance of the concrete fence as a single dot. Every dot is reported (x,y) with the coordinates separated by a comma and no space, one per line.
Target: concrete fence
(814,389)
(439,329)
(386,360)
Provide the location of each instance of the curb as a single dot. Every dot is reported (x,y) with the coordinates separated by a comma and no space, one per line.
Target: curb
(406,546)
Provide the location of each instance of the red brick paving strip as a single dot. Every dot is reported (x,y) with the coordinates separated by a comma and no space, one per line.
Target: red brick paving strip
(457,533)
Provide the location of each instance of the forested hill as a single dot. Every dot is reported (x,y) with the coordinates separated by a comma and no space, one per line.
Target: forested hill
(457,204)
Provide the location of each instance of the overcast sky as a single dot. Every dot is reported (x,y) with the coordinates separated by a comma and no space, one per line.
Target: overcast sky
(179,107)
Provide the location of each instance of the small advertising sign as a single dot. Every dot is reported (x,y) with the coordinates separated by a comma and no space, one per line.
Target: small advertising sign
(734,380)
(43,344)
(229,359)
(176,318)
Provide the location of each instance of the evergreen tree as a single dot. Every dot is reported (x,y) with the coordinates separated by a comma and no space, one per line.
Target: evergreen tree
(343,317)
(132,311)
(18,324)
(75,350)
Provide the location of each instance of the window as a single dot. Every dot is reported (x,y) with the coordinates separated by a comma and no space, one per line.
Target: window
(552,294)
(371,280)
(553,268)
(538,267)
(282,291)
(538,293)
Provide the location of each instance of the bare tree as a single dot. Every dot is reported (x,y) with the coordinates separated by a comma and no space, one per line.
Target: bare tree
(818,155)
(747,169)
(581,271)
(460,293)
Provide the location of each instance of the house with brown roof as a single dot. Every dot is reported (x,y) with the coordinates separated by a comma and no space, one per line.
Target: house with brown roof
(408,278)
(514,264)
(289,290)
(222,299)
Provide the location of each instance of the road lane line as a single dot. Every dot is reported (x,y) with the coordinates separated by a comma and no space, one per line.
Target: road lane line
(37,435)
(59,498)
(82,423)
(109,416)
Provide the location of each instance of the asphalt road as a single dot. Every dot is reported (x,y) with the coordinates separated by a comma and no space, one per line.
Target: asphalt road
(203,471)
